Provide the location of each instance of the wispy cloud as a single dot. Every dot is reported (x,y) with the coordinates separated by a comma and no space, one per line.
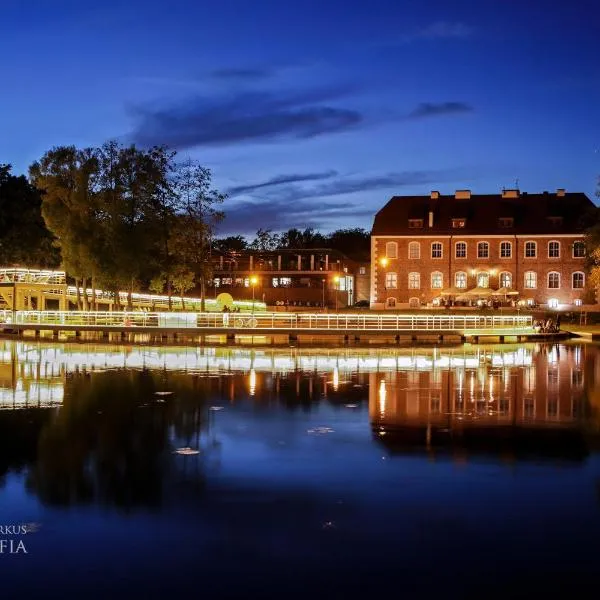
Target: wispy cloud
(242,74)
(247,116)
(280,180)
(438,30)
(432,109)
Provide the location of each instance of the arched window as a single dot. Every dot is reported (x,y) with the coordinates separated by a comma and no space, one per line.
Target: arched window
(460,280)
(461,249)
(391,250)
(391,302)
(578,280)
(483,250)
(554,249)
(436,250)
(553,280)
(505,279)
(437,280)
(414,302)
(483,279)
(505,249)
(530,249)
(530,280)
(578,250)
(391,281)
(414,250)
(414,281)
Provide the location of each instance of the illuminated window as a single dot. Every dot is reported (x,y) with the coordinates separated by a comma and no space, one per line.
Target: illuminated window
(553,280)
(553,303)
(530,280)
(460,280)
(458,223)
(505,249)
(483,250)
(391,250)
(505,279)
(414,250)
(578,250)
(437,280)
(553,249)
(436,250)
(578,302)
(414,281)
(362,270)
(285,281)
(483,279)
(391,281)
(461,250)
(530,249)
(578,280)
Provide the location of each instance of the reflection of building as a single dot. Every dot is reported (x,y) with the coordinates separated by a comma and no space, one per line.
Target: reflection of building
(488,399)
(299,277)
(465,247)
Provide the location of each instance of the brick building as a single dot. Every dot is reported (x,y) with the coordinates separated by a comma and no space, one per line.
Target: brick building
(466,248)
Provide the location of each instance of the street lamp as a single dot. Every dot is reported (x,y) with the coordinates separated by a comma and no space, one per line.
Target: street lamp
(253,282)
(336,280)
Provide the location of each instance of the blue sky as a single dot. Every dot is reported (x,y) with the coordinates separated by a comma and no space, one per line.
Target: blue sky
(314,113)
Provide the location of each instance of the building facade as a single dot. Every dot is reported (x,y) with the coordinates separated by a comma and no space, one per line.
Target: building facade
(464,248)
(299,277)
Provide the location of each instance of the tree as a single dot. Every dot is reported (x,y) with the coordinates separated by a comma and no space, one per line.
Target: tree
(231,244)
(183,280)
(592,241)
(197,205)
(265,241)
(309,238)
(24,238)
(354,243)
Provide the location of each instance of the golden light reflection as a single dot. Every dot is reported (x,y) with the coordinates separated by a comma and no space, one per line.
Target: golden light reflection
(336,378)
(252,382)
(382,397)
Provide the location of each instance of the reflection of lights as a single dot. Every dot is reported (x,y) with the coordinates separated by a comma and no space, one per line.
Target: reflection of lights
(382,397)
(336,378)
(252,382)
(553,356)
(491,388)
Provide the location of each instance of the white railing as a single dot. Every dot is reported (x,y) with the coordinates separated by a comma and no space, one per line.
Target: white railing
(273,321)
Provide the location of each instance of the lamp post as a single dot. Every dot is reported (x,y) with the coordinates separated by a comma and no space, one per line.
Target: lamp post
(253,282)
(336,280)
(323,284)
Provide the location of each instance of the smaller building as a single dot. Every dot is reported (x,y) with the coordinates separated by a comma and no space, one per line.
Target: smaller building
(315,277)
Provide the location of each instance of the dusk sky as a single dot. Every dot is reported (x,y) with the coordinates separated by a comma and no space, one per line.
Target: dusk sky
(314,113)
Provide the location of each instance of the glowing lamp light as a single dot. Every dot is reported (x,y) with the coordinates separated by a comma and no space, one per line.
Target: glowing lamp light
(254,280)
(383,262)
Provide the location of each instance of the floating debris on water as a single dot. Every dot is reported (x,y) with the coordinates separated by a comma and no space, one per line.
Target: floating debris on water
(320,430)
(187,451)
(216,408)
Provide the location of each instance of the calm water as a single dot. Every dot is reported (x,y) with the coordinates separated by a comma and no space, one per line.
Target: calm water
(422,472)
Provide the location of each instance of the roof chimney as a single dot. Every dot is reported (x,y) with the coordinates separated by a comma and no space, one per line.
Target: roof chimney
(510,193)
(435,195)
(560,192)
(430,218)
(462,194)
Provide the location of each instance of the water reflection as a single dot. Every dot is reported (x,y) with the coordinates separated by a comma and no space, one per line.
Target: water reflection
(89,426)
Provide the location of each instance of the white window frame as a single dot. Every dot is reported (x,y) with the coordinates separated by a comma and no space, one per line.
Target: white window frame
(487,249)
(466,280)
(393,246)
(509,248)
(548,280)
(573,280)
(535,249)
(456,249)
(391,276)
(575,243)
(441,278)
(535,280)
(500,279)
(411,246)
(553,242)
(417,278)
(483,274)
(441,250)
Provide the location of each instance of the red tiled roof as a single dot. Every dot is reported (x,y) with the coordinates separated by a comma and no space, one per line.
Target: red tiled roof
(482,212)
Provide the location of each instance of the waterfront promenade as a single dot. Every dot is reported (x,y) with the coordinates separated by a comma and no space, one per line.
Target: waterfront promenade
(465,327)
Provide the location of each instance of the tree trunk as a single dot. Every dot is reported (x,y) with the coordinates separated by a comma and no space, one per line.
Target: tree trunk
(85,298)
(169,292)
(182,303)
(202,301)
(129,298)
(78,294)
(94,303)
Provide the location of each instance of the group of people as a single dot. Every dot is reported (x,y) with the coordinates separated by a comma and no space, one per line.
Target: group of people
(235,309)
(547,325)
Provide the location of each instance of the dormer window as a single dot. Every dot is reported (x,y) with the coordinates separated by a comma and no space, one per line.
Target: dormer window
(555,221)
(506,222)
(415,223)
(458,223)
